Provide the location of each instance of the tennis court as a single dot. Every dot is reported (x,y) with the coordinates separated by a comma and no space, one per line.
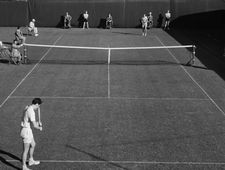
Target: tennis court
(145,109)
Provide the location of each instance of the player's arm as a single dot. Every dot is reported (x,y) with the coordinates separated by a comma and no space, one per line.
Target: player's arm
(36,125)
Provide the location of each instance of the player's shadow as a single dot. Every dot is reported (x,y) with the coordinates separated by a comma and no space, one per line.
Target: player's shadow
(96,157)
(102,23)
(61,22)
(80,21)
(9,164)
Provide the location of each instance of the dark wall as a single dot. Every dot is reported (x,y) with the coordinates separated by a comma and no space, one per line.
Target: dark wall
(126,13)
(13,13)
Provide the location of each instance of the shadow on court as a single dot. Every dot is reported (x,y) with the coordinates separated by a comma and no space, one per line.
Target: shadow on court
(208,38)
(7,163)
(127,62)
(96,157)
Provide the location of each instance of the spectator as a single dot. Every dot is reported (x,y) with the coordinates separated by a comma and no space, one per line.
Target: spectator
(67,20)
(19,35)
(32,27)
(85,16)
(150,20)
(144,21)
(16,55)
(109,21)
(167,20)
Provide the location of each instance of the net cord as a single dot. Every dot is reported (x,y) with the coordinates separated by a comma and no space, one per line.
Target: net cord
(190,62)
(107,48)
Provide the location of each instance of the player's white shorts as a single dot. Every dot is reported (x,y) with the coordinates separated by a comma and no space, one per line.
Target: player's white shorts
(27,135)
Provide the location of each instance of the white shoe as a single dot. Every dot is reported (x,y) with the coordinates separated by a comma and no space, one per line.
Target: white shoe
(36,35)
(25,168)
(33,162)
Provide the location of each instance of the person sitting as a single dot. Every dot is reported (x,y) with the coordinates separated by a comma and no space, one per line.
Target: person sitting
(109,21)
(85,17)
(4,51)
(16,56)
(32,28)
(19,35)
(150,20)
(67,20)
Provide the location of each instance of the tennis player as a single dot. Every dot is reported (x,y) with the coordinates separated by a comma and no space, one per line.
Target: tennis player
(27,134)
(32,27)
(144,21)
(167,18)
(85,16)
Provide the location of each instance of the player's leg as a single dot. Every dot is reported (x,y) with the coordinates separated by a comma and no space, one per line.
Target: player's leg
(26,147)
(83,24)
(31,159)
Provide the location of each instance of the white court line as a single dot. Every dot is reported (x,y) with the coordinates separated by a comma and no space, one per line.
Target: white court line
(192,78)
(128,162)
(28,73)
(113,98)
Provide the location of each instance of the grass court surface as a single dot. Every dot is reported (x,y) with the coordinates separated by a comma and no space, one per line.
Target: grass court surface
(145,111)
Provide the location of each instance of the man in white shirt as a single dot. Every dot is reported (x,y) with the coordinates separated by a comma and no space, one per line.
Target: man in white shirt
(167,19)
(26,133)
(144,21)
(32,27)
(85,17)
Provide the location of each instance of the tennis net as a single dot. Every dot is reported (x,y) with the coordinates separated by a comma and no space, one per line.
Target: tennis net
(156,55)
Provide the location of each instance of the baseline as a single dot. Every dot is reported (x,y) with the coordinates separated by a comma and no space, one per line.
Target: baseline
(115,98)
(127,162)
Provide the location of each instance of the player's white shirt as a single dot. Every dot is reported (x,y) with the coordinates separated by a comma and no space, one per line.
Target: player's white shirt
(29,116)
(86,16)
(168,15)
(144,20)
(31,25)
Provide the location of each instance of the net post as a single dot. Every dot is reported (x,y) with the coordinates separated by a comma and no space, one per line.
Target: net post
(109,55)
(193,54)
(192,58)
(24,54)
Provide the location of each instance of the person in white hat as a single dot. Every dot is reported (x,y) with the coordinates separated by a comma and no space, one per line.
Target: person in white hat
(32,27)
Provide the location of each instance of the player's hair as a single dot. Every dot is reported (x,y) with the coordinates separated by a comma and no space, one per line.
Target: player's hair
(37,101)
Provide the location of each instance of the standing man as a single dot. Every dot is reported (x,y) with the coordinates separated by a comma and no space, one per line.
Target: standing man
(150,20)
(26,133)
(85,16)
(167,22)
(67,20)
(144,21)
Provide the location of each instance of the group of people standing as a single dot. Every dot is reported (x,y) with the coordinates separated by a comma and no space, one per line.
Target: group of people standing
(85,17)
(68,19)
(147,22)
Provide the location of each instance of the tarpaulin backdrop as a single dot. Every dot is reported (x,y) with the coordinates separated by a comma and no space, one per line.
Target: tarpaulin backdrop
(126,13)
